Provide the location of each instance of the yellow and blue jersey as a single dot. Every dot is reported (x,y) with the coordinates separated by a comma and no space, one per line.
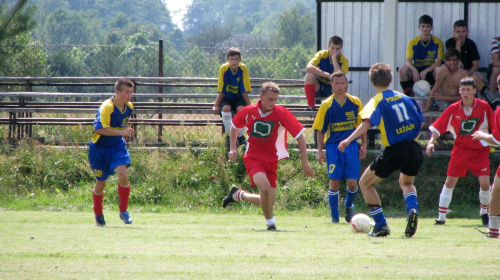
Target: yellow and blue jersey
(424,55)
(323,61)
(337,120)
(398,116)
(108,115)
(233,83)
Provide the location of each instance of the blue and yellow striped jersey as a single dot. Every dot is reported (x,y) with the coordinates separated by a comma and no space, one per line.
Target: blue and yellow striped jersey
(337,120)
(424,55)
(233,84)
(108,115)
(323,62)
(398,116)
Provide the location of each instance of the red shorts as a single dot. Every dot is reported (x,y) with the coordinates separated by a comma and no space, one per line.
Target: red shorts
(476,161)
(269,168)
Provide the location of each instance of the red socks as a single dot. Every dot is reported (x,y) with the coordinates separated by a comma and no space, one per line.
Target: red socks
(123,194)
(310,95)
(98,203)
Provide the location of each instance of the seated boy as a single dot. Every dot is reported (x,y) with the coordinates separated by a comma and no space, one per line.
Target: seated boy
(447,80)
(423,54)
(495,63)
(320,68)
(233,87)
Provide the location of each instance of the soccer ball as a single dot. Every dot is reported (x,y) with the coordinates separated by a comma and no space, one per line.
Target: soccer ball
(361,223)
(421,88)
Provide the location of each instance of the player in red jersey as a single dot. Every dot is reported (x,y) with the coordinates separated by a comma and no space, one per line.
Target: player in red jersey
(267,125)
(462,119)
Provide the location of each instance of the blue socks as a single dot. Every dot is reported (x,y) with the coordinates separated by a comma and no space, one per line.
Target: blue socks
(350,197)
(378,216)
(333,199)
(411,202)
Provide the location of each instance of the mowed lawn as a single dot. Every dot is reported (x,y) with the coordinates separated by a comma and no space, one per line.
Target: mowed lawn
(68,245)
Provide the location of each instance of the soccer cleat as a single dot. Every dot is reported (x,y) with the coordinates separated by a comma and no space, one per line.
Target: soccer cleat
(310,109)
(349,213)
(241,140)
(489,235)
(229,198)
(485,219)
(335,221)
(125,217)
(439,223)
(271,227)
(99,221)
(380,232)
(434,107)
(411,223)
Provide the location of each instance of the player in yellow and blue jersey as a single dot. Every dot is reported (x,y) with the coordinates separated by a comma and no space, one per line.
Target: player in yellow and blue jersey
(337,118)
(399,119)
(320,68)
(423,54)
(233,87)
(107,150)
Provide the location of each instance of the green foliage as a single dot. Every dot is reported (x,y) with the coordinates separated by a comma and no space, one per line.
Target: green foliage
(296,27)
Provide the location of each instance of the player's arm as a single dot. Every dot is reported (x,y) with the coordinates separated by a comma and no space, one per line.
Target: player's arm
(481,135)
(316,71)
(414,71)
(474,68)
(303,156)
(362,129)
(364,143)
(495,59)
(233,136)
(430,144)
(108,131)
(321,155)
(216,108)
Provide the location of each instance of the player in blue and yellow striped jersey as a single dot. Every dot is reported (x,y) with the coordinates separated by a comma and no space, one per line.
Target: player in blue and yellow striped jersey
(107,150)
(423,54)
(399,119)
(233,87)
(337,118)
(320,68)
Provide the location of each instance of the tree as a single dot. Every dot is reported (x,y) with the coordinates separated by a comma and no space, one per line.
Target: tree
(296,28)
(66,27)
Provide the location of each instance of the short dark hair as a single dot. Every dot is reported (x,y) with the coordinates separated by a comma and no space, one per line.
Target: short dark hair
(123,82)
(380,75)
(233,51)
(425,19)
(336,40)
(269,86)
(451,52)
(338,74)
(460,23)
(467,81)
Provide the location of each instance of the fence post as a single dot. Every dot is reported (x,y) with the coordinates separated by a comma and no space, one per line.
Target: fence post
(160,88)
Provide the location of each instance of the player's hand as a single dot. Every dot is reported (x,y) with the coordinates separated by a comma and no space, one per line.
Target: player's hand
(321,157)
(455,36)
(423,74)
(433,93)
(416,76)
(128,132)
(307,169)
(342,145)
(362,153)
(216,110)
(429,149)
(232,155)
(479,135)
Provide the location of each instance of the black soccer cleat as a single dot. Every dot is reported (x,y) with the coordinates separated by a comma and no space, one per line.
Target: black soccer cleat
(99,221)
(229,198)
(349,213)
(411,223)
(439,223)
(485,219)
(271,228)
(380,232)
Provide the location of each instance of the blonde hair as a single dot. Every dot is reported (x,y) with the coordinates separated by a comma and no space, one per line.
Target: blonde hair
(269,86)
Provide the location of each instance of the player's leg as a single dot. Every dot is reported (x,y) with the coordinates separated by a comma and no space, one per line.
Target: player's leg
(445,199)
(406,80)
(227,115)
(494,216)
(241,137)
(99,164)
(372,200)
(410,196)
(311,86)
(495,71)
(484,197)
(267,198)
(123,193)
(97,197)
(351,191)
(333,199)
(352,169)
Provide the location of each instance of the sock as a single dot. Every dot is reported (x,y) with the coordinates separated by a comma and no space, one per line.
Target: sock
(227,117)
(240,131)
(349,198)
(444,202)
(378,216)
(411,202)
(310,91)
(493,226)
(98,203)
(270,222)
(407,87)
(484,201)
(238,195)
(333,199)
(123,194)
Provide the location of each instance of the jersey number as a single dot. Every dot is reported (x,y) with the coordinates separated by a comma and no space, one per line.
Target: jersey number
(401,112)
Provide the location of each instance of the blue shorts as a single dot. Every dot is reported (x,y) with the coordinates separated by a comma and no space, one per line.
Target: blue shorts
(103,161)
(325,90)
(343,165)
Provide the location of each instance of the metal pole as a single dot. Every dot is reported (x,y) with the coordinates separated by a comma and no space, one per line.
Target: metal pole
(160,88)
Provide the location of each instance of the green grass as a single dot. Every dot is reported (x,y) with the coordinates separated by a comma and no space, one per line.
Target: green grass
(198,245)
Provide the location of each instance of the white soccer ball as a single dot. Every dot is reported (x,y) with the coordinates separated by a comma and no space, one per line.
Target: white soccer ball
(422,88)
(361,223)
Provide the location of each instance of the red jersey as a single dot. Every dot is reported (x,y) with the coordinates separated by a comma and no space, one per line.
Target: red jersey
(495,131)
(463,123)
(267,132)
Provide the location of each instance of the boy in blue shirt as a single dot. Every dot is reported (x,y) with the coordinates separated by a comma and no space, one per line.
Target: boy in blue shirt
(399,119)
(107,150)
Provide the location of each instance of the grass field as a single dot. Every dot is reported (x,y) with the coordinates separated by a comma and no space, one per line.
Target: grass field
(196,245)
